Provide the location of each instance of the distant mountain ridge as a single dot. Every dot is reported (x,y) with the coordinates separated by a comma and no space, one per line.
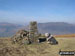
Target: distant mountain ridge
(56,28)
(9,29)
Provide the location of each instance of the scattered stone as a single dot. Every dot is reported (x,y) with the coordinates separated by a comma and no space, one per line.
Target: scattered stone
(20,37)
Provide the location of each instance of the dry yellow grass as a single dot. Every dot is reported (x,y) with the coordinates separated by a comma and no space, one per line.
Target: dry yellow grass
(42,49)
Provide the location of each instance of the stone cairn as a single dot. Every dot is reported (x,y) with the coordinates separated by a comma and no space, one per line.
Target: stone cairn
(21,37)
(27,37)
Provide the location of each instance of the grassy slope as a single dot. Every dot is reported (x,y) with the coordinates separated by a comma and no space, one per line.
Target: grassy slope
(42,49)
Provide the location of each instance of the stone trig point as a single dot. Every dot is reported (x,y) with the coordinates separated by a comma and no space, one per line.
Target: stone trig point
(33,32)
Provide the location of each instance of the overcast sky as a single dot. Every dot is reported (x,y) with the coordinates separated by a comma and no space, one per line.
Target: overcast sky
(24,11)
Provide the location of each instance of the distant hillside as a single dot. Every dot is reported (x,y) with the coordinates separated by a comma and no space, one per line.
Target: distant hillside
(8,29)
(56,28)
